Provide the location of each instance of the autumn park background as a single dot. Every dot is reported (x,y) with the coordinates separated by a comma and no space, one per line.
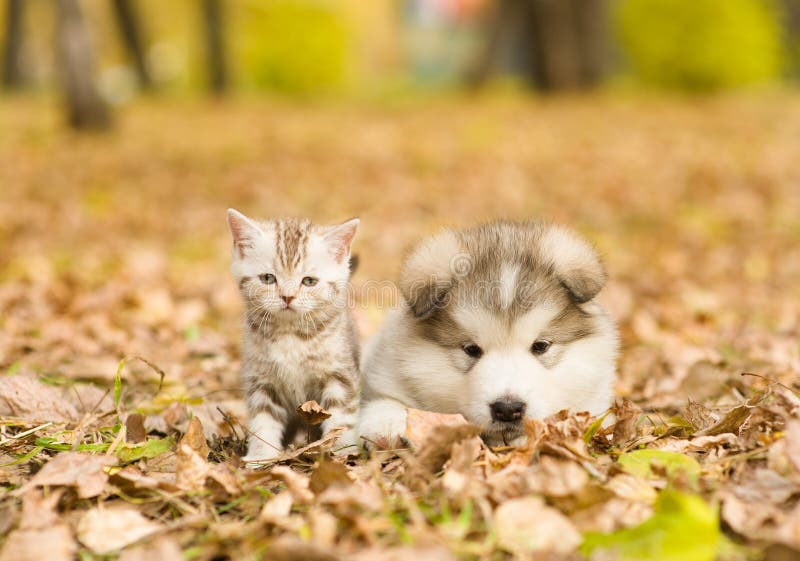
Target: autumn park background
(666,131)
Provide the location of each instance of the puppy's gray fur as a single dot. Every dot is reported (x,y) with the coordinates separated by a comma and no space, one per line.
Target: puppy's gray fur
(500,287)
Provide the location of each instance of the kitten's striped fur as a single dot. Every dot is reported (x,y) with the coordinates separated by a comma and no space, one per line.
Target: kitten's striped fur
(299,341)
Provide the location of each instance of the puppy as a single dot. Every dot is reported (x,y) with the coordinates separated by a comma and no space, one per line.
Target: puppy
(497,322)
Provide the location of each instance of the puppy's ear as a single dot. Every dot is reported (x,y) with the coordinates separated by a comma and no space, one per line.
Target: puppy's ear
(429,273)
(575,262)
(243,230)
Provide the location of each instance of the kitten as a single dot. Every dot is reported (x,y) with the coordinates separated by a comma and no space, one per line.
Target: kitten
(299,339)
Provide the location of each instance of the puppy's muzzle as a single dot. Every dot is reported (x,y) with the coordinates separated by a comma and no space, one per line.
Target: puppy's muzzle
(508,410)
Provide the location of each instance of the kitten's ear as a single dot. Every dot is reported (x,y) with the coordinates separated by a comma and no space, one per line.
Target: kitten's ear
(429,273)
(243,230)
(340,238)
(576,263)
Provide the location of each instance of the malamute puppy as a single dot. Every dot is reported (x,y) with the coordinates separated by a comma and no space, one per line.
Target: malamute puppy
(497,322)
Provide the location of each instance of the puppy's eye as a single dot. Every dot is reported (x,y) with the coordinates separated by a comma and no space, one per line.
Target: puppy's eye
(268,278)
(310,281)
(540,347)
(473,350)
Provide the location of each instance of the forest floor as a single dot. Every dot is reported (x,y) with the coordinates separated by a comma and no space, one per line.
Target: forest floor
(116,245)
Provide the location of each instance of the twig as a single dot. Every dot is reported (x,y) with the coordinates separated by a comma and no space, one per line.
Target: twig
(25,433)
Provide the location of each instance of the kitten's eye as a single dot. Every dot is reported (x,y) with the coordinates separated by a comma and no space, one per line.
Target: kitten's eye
(540,347)
(473,350)
(310,281)
(268,278)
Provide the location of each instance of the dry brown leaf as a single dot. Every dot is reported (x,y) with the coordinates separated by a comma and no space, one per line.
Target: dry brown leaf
(327,473)
(276,510)
(556,478)
(39,510)
(527,525)
(421,424)
(458,480)
(131,478)
(74,469)
(298,484)
(25,397)
(106,530)
(162,548)
(627,414)
(699,416)
(765,486)
(224,476)
(192,465)
(731,422)
(632,488)
(134,428)
(29,545)
(417,553)
(324,526)
(436,449)
(312,412)
(289,548)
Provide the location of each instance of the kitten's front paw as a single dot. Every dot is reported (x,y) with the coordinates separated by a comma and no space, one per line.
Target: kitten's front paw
(346,444)
(259,452)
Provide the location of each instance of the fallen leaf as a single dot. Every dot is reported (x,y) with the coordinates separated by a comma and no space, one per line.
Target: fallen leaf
(418,553)
(134,428)
(105,530)
(683,528)
(39,509)
(647,464)
(25,397)
(436,449)
(298,484)
(312,412)
(327,473)
(420,424)
(627,414)
(527,525)
(85,472)
(699,416)
(29,545)
(766,486)
(192,465)
(730,422)
(161,548)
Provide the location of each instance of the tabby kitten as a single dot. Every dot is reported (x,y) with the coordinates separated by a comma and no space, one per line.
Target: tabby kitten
(299,340)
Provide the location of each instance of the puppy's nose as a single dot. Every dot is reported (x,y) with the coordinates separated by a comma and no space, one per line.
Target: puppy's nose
(507,410)
(287,299)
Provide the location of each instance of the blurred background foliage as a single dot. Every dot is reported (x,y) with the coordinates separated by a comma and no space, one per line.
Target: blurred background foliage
(702,44)
(311,48)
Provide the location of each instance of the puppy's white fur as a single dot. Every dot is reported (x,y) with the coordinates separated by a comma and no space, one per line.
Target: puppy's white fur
(537,272)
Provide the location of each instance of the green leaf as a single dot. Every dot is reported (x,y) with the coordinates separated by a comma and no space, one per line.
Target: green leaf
(50,443)
(683,528)
(594,427)
(118,383)
(149,449)
(642,462)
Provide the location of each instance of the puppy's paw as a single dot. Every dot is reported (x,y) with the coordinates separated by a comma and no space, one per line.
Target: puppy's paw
(382,426)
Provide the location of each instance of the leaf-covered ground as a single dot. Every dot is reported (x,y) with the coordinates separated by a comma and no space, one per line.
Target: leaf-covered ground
(115,247)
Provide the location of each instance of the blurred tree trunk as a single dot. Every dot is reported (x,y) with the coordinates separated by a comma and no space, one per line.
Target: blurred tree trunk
(213,15)
(13,74)
(131,30)
(85,108)
(564,41)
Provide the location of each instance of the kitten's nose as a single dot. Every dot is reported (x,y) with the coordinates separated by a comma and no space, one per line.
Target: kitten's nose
(287,299)
(507,410)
